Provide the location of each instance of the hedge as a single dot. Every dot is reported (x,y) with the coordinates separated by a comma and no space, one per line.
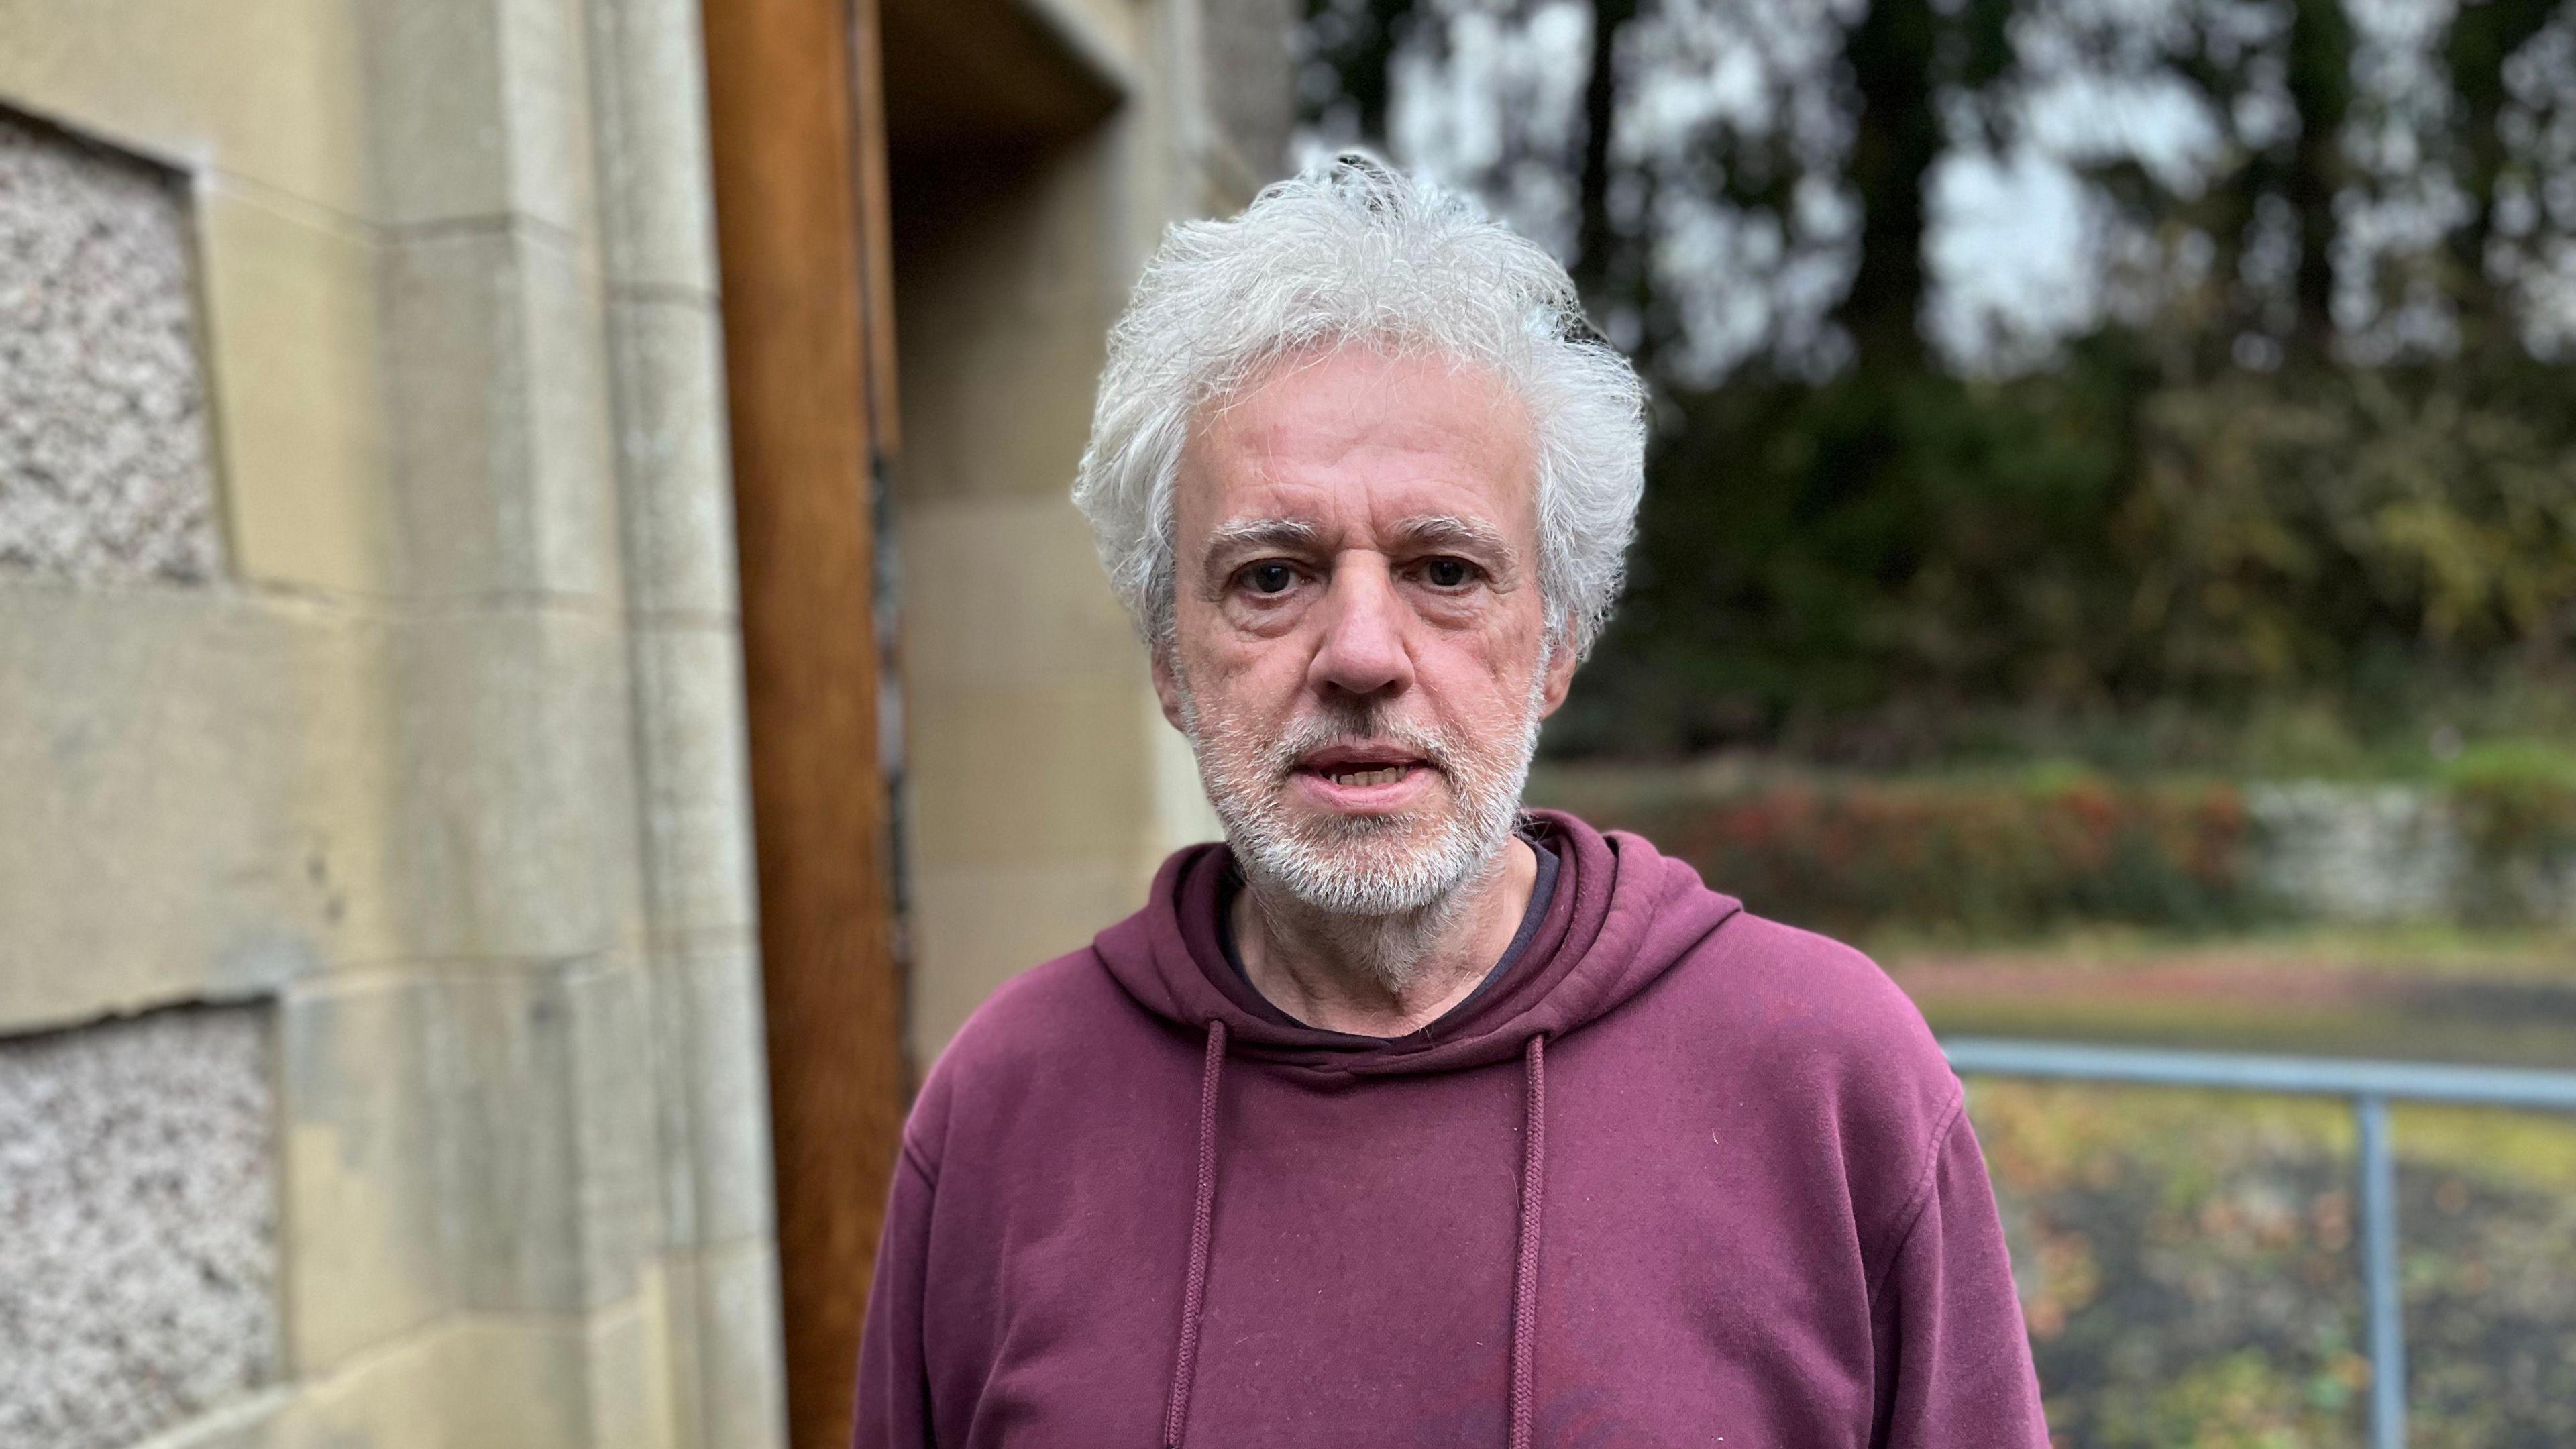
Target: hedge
(1999,857)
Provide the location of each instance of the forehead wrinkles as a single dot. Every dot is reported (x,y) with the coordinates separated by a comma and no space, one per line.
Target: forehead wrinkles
(1337,395)
(1289,533)
(1421,531)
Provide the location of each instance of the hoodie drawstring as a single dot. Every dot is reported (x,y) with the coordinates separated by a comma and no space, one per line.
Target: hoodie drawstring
(1525,1276)
(1185,1356)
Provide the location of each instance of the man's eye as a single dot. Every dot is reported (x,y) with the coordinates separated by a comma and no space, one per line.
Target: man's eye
(1448,573)
(1269,578)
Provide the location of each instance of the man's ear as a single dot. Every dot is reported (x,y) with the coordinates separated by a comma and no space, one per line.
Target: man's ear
(1167,686)
(1562,661)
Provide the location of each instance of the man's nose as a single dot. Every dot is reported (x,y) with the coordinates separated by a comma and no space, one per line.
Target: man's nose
(1363,651)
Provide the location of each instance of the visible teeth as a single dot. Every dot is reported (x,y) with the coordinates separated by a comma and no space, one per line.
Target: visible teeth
(1386,776)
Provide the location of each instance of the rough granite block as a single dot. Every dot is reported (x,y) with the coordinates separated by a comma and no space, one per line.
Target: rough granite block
(138,1225)
(105,471)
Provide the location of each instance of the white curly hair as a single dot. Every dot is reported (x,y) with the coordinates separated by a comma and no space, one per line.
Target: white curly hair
(1354,252)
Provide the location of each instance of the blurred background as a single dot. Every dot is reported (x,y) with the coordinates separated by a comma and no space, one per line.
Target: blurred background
(545,662)
(2111,550)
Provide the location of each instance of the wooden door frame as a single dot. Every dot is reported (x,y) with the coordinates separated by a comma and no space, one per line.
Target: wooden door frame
(796,131)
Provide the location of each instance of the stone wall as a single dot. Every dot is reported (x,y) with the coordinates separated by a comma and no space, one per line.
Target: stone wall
(1039,770)
(436,764)
(2365,854)
(104,467)
(373,697)
(2378,854)
(138,1226)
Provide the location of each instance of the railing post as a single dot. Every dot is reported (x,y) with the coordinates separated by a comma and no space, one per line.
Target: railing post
(2379,1274)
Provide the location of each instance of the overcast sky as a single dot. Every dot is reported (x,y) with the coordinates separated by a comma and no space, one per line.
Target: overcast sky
(2023,252)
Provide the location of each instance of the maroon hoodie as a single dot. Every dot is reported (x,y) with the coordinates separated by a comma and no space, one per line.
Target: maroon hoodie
(1683,1176)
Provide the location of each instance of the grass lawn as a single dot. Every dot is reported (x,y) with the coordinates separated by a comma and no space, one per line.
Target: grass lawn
(2421,994)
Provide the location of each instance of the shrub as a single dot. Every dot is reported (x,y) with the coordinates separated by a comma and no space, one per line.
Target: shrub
(1983,857)
(2515,802)
(1848,570)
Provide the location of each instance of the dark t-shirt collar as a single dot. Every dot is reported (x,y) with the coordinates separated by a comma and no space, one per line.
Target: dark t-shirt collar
(1542,889)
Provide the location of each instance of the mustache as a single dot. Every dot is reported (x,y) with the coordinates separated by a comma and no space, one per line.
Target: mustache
(1358,724)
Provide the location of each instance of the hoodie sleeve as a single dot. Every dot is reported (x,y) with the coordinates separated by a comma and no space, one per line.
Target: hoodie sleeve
(1953,1361)
(893,1409)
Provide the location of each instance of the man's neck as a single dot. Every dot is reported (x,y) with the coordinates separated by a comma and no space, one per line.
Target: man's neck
(1384,976)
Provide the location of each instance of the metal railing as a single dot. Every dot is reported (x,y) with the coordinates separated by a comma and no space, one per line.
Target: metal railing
(2370,1085)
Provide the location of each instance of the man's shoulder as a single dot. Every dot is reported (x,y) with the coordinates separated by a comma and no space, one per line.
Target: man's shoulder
(1799,1006)
(1036,1031)
(1054,1007)
(1845,989)
(1815,1040)
(1746,966)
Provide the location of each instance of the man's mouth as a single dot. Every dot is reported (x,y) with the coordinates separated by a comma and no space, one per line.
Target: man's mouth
(1349,767)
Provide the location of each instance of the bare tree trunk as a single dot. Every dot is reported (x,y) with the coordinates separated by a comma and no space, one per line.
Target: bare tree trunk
(2482,36)
(2320,83)
(1364,56)
(1891,53)
(1596,240)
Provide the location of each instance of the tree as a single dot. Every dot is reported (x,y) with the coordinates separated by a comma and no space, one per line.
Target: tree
(1897,136)
(1597,243)
(2483,36)
(1357,42)
(2197,497)
(2320,84)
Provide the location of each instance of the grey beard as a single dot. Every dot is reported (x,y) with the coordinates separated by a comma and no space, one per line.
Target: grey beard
(1359,883)
(1389,948)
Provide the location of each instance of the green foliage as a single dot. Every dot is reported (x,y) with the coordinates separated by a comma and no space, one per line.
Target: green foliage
(2279,529)
(2516,806)
(2511,767)
(1963,857)
(2014,855)
(2249,483)
(1848,570)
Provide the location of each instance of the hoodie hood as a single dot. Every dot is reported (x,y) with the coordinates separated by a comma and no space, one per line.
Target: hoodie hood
(1621,916)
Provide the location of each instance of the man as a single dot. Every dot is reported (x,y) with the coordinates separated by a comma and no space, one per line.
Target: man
(1406,1117)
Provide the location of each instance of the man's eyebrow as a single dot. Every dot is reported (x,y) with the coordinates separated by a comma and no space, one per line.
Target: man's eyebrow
(1260,533)
(1447,530)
